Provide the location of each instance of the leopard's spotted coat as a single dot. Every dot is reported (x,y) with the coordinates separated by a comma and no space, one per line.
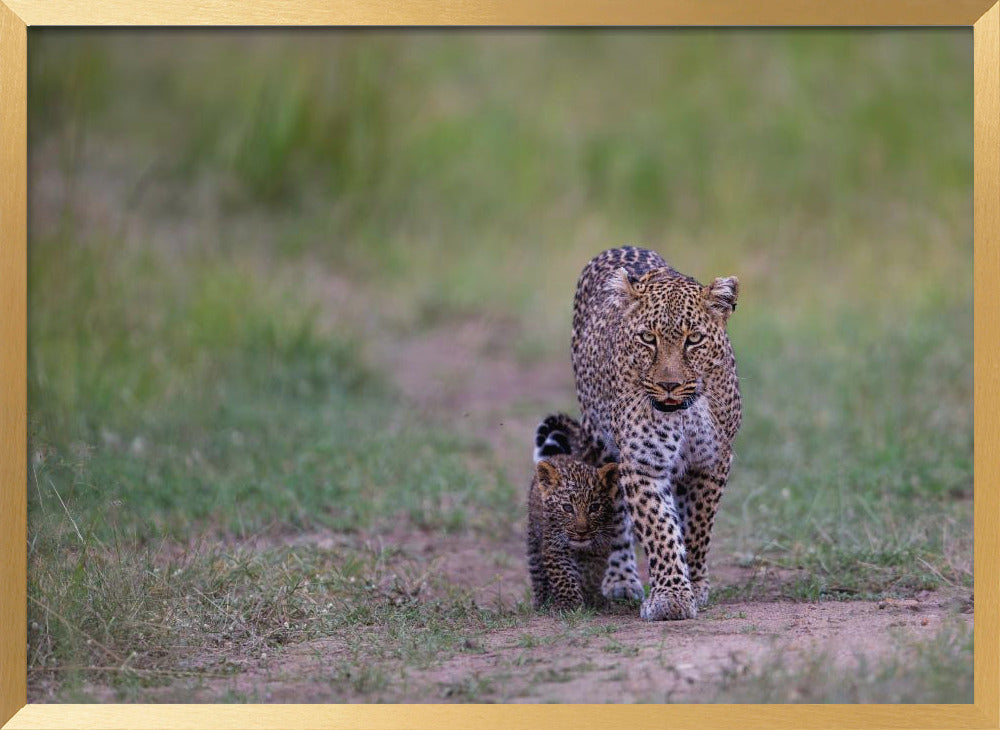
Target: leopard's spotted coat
(658,390)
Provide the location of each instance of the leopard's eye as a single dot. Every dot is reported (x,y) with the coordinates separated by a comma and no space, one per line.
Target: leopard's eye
(647,338)
(693,339)
(568,508)
(595,508)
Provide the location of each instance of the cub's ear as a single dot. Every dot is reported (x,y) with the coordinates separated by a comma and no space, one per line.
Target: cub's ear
(608,474)
(720,296)
(623,288)
(548,476)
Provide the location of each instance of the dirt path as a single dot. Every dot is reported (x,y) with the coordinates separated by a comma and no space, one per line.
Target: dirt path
(467,371)
(679,661)
(610,657)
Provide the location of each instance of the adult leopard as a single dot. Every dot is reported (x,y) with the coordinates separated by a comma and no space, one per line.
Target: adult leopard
(658,391)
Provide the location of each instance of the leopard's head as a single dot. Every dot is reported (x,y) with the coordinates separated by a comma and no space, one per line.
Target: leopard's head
(578,500)
(672,333)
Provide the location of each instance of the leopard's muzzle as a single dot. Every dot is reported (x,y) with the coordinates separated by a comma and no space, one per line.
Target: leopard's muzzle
(671,397)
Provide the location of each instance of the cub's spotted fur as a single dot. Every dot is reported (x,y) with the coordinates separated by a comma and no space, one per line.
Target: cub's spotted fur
(658,391)
(573,514)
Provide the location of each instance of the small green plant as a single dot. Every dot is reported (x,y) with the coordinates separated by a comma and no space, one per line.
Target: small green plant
(470,689)
(616,647)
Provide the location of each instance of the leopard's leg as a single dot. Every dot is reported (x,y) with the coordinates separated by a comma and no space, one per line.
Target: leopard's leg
(565,587)
(698,495)
(651,507)
(621,579)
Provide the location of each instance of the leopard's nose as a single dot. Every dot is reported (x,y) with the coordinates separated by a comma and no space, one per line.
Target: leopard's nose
(668,386)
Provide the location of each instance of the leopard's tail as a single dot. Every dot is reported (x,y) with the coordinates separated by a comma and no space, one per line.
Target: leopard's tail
(557,434)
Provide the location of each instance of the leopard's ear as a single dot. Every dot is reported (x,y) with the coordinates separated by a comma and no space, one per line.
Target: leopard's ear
(608,474)
(548,476)
(720,296)
(623,288)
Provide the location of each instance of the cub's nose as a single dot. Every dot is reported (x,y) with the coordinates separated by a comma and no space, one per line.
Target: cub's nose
(668,386)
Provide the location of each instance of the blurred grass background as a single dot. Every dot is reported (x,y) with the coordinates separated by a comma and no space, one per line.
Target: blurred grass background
(222,223)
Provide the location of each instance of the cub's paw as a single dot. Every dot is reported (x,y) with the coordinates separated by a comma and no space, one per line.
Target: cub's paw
(669,605)
(700,589)
(623,588)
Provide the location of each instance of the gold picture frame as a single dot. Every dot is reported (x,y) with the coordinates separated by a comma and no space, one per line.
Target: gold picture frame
(15,17)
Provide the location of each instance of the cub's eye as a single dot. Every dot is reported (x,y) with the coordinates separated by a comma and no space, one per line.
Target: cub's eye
(595,508)
(693,339)
(647,337)
(568,508)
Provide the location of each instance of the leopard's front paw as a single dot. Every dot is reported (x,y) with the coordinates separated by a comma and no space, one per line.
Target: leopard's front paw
(700,589)
(670,604)
(622,587)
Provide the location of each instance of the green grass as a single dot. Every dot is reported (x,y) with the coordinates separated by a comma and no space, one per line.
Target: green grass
(856,463)
(822,157)
(211,399)
(173,404)
(225,228)
(133,617)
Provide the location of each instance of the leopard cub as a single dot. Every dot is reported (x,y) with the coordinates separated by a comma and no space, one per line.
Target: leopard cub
(573,515)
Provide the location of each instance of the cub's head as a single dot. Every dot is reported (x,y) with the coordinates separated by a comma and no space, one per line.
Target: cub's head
(672,333)
(578,500)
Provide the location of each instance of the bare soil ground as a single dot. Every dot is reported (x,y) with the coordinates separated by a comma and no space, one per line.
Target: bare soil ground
(610,657)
